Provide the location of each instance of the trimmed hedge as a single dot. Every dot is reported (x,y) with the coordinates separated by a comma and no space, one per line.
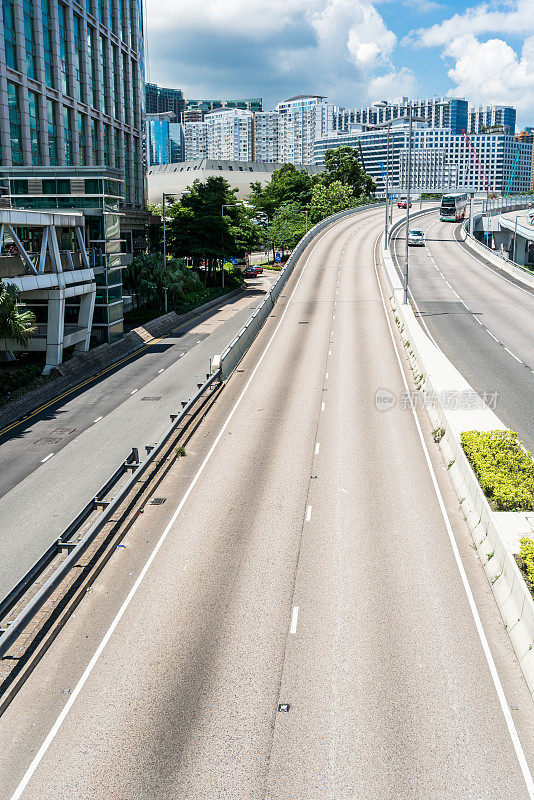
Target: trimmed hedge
(504,469)
(526,559)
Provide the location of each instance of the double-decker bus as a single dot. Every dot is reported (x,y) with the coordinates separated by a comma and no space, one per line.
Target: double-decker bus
(453,207)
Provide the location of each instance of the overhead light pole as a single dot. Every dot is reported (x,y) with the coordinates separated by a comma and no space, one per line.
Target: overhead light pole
(411,120)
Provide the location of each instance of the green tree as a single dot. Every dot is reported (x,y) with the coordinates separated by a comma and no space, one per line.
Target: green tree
(209,224)
(330,198)
(287,227)
(16,321)
(148,276)
(288,185)
(343,164)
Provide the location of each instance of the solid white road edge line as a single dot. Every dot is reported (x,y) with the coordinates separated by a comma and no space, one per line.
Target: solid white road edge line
(527,776)
(100,649)
(98,419)
(46,458)
(294,620)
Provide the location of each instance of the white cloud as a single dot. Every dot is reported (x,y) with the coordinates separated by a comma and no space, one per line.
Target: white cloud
(514,18)
(334,47)
(492,72)
(394,85)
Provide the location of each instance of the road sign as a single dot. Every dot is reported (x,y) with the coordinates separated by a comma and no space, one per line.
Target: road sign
(278,258)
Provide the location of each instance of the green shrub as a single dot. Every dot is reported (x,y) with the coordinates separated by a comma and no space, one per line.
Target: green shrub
(504,469)
(526,558)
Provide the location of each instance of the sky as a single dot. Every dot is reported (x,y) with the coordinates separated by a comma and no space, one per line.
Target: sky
(352,51)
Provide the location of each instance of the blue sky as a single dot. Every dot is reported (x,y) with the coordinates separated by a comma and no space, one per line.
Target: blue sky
(353,51)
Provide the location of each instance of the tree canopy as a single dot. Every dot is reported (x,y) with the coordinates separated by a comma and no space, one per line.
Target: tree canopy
(16,322)
(342,164)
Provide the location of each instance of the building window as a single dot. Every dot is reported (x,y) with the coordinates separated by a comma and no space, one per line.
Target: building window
(117,82)
(126,91)
(63,49)
(29,38)
(47,44)
(14,124)
(106,138)
(67,135)
(118,149)
(94,141)
(35,144)
(102,77)
(82,142)
(92,78)
(76,23)
(9,33)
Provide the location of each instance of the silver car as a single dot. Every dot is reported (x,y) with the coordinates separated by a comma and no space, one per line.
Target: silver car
(416,238)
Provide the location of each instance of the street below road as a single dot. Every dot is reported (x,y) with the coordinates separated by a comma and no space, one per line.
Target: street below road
(480,318)
(52,464)
(293,623)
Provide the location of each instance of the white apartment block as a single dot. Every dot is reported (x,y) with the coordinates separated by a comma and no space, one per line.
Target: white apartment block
(266,136)
(196,140)
(302,120)
(230,134)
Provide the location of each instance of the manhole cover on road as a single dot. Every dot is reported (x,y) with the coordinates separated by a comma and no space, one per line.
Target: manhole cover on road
(63,431)
(151,399)
(283,707)
(157,501)
(47,440)
(305,322)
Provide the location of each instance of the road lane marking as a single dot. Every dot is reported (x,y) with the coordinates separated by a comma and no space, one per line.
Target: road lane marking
(46,458)
(491,334)
(122,610)
(308,513)
(294,620)
(98,419)
(331,333)
(326,376)
(134,391)
(329,352)
(161,370)
(513,356)
(317,448)
(322,406)
(463,575)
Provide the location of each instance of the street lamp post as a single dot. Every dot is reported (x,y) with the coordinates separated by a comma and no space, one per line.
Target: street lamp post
(411,120)
(165,194)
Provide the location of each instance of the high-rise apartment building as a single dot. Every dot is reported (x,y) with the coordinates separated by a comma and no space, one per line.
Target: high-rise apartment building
(266,136)
(229,134)
(483,117)
(196,140)
(204,107)
(160,99)
(301,120)
(440,112)
(72,100)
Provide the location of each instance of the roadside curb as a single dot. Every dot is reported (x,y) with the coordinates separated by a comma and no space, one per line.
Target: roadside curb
(437,378)
(88,365)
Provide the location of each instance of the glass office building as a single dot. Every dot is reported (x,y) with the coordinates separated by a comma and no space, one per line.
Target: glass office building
(71,133)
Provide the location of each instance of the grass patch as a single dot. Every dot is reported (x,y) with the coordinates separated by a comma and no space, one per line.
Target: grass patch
(504,469)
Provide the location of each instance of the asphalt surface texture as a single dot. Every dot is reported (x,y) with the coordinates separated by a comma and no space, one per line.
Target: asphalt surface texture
(478,316)
(293,622)
(53,463)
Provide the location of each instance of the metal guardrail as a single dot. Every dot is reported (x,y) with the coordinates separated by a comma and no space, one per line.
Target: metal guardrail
(239,345)
(138,468)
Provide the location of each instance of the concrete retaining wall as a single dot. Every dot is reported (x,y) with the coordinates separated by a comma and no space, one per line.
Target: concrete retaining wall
(439,379)
(87,365)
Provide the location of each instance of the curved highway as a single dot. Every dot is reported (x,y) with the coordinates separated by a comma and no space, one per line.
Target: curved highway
(481,319)
(293,621)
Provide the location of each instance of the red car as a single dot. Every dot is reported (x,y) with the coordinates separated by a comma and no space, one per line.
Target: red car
(258,270)
(403,204)
(250,272)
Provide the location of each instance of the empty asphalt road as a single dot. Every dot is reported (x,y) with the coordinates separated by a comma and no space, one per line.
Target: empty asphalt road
(293,622)
(479,317)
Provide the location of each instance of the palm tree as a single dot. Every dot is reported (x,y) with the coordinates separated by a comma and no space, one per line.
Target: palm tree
(16,322)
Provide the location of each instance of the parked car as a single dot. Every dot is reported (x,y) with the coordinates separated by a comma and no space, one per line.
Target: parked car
(250,272)
(258,270)
(416,238)
(403,204)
